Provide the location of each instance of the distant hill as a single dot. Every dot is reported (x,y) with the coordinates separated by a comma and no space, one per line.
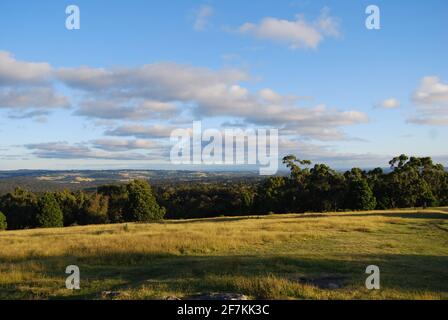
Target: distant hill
(45,180)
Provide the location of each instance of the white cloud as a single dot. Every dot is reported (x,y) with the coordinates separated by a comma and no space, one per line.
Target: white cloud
(26,88)
(296,33)
(431,99)
(328,25)
(204,93)
(14,72)
(174,91)
(64,150)
(126,109)
(202,17)
(122,145)
(150,78)
(390,103)
(270,96)
(36,97)
(141,131)
(429,120)
(326,153)
(88,78)
(38,115)
(432,91)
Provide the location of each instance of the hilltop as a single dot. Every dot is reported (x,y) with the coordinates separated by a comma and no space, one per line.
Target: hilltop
(291,256)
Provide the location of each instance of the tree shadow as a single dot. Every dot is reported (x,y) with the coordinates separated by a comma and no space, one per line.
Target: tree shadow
(391,214)
(407,215)
(198,274)
(215,219)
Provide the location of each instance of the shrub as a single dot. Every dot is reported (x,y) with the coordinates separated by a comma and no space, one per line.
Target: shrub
(126,228)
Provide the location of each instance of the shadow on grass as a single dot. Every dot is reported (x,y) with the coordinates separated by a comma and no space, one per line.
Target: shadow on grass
(408,215)
(390,214)
(215,219)
(198,274)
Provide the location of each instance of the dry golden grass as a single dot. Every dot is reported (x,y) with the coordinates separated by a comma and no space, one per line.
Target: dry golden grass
(261,256)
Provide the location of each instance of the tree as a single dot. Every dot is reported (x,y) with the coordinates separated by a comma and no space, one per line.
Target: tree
(411,182)
(296,189)
(443,191)
(326,188)
(69,205)
(94,209)
(19,207)
(246,198)
(359,195)
(142,204)
(407,184)
(398,162)
(3,224)
(293,163)
(377,182)
(49,214)
(271,195)
(118,197)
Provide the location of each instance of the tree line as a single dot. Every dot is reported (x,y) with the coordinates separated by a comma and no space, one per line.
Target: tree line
(134,201)
(411,182)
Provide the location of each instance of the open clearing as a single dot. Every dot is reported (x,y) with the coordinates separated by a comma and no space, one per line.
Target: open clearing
(293,256)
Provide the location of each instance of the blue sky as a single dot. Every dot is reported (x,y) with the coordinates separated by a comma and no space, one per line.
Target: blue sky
(107,95)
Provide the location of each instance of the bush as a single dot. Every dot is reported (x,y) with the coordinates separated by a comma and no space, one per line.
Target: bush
(3,224)
(49,214)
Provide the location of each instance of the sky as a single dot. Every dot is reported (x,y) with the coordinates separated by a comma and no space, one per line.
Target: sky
(109,94)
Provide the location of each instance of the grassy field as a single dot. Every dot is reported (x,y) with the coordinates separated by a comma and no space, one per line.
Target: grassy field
(307,256)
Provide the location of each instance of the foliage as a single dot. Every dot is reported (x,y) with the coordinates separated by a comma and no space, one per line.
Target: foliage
(19,208)
(359,195)
(271,195)
(49,214)
(142,204)
(69,204)
(117,199)
(94,210)
(205,200)
(411,182)
(3,223)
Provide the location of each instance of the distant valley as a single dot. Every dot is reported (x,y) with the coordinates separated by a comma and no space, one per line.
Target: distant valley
(49,180)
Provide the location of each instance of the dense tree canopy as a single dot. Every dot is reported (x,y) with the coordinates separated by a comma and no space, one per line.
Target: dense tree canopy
(411,182)
(48,213)
(19,208)
(142,204)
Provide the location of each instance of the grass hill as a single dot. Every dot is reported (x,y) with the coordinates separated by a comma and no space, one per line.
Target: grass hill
(306,256)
